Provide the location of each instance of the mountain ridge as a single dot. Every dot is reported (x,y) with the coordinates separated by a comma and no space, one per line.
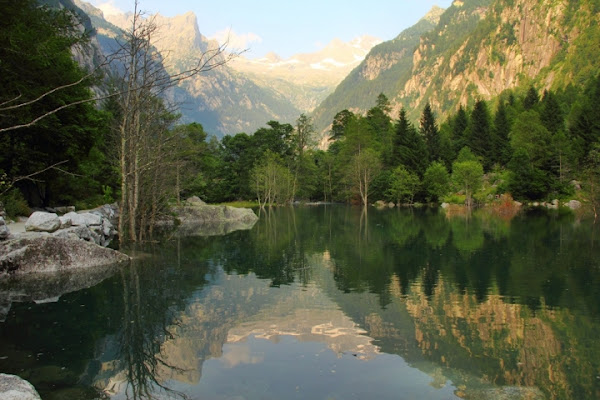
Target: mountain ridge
(477,50)
(242,95)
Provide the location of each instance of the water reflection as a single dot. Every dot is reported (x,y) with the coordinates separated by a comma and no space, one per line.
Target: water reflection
(403,302)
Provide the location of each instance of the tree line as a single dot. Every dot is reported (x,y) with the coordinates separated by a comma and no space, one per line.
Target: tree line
(62,143)
(534,146)
(93,132)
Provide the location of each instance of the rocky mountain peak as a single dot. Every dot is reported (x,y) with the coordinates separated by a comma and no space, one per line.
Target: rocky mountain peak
(434,14)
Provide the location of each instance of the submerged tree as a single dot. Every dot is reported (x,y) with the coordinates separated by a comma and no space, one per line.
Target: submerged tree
(271,180)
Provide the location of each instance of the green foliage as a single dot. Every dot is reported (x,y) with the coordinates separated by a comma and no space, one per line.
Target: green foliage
(15,204)
(431,135)
(551,114)
(531,99)
(436,181)
(363,169)
(479,136)
(501,151)
(507,34)
(459,124)
(271,180)
(585,127)
(455,198)
(526,181)
(340,121)
(465,154)
(529,134)
(404,185)
(409,146)
(36,54)
(467,176)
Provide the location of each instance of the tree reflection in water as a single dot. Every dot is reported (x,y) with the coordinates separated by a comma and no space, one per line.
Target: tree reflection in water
(446,289)
(489,304)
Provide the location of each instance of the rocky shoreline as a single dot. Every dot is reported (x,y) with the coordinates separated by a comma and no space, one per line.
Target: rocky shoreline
(57,254)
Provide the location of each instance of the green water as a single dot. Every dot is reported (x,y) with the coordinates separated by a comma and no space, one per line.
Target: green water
(331,303)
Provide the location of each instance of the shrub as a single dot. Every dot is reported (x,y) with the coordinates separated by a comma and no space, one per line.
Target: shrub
(15,204)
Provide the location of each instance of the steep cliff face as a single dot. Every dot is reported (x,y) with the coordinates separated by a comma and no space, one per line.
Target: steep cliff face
(242,95)
(385,67)
(476,50)
(223,100)
(517,42)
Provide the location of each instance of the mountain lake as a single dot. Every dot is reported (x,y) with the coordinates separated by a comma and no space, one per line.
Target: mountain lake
(330,302)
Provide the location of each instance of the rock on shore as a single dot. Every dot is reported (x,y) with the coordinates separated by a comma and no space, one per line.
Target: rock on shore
(196,218)
(14,388)
(46,253)
(92,226)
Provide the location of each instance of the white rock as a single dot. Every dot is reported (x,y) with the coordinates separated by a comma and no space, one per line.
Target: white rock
(84,219)
(573,204)
(65,222)
(41,221)
(14,388)
(195,201)
(107,228)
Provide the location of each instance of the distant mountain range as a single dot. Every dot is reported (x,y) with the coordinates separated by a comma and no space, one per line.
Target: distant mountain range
(474,49)
(244,94)
(306,79)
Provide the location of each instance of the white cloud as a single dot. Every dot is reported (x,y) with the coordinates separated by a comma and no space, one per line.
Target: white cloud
(236,41)
(108,7)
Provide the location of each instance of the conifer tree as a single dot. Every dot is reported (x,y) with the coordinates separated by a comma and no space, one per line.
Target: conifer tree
(586,124)
(501,152)
(459,129)
(409,147)
(531,99)
(479,136)
(430,133)
(340,121)
(551,114)
(380,127)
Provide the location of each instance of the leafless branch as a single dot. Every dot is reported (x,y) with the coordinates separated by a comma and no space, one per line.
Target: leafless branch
(30,177)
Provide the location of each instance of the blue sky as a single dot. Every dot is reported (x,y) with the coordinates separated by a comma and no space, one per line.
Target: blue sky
(290,27)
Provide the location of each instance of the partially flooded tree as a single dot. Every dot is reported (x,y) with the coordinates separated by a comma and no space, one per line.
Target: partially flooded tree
(404,185)
(362,170)
(467,174)
(271,180)
(142,125)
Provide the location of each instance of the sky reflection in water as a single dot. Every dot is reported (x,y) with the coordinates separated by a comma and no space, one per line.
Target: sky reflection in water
(330,303)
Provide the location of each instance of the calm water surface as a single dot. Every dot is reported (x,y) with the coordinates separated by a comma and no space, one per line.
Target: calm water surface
(330,303)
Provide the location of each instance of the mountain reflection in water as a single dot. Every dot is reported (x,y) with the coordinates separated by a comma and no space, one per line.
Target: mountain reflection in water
(328,302)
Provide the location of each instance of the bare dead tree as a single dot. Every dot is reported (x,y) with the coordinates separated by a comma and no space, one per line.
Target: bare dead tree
(143,148)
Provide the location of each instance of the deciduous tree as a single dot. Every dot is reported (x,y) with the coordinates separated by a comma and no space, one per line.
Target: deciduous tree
(436,181)
(467,174)
(404,185)
(363,168)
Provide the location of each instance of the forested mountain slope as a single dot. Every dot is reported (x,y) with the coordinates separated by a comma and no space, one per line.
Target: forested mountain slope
(386,66)
(478,49)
